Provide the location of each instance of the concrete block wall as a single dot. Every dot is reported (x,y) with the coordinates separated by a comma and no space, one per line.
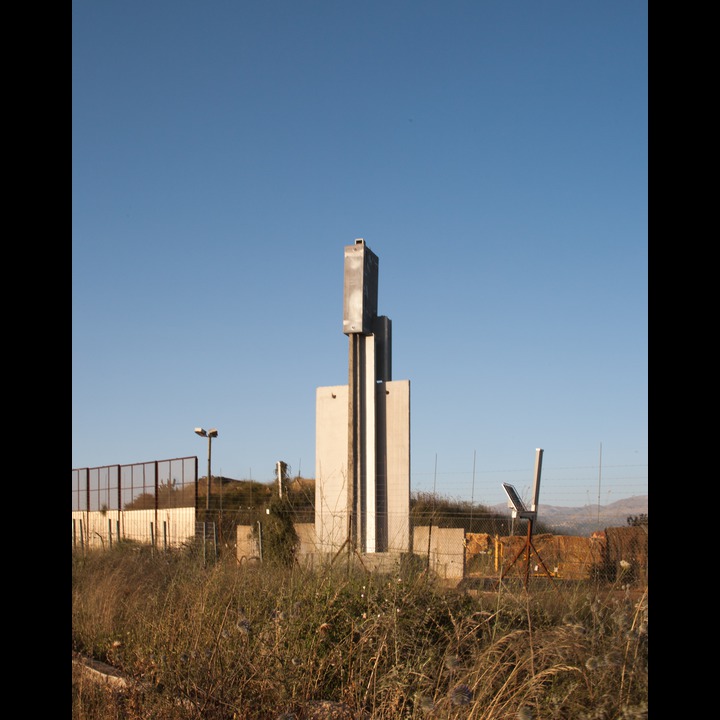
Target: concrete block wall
(247,547)
(445,548)
(170,527)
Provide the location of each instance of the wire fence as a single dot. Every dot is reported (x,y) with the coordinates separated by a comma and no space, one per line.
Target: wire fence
(158,484)
(157,503)
(496,550)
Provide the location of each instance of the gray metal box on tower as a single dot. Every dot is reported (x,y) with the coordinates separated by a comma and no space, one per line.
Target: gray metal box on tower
(360,291)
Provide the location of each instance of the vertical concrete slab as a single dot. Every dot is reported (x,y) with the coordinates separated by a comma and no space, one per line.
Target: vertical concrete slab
(246,547)
(443,547)
(331,452)
(369,433)
(387,503)
(396,436)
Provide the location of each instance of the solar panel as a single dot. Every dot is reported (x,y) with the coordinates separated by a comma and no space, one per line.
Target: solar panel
(517,503)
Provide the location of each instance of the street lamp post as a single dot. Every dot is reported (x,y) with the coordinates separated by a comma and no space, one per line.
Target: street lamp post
(210,434)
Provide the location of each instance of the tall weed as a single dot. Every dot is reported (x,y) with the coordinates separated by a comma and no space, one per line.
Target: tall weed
(222,641)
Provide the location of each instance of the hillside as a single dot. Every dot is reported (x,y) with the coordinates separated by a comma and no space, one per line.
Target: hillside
(566,520)
(588,518)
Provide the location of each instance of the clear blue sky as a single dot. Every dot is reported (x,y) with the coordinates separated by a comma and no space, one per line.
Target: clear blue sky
(492,154)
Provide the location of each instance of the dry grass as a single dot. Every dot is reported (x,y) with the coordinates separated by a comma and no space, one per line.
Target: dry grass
(225,642)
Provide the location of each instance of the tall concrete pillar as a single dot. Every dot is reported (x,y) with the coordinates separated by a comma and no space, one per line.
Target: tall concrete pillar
(371,493)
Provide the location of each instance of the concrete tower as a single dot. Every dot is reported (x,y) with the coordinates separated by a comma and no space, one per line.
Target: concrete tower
(362,453)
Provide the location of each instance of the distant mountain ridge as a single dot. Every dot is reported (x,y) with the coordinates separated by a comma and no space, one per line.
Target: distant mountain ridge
(588,518)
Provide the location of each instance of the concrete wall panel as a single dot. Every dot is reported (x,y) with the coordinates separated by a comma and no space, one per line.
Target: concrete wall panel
(389,498)
(331,454)
(397,439)
(170,527)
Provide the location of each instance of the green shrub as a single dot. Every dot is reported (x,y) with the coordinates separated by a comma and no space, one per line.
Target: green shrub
(279,540)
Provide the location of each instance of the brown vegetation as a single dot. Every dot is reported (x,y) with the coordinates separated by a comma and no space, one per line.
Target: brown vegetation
(223,642)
